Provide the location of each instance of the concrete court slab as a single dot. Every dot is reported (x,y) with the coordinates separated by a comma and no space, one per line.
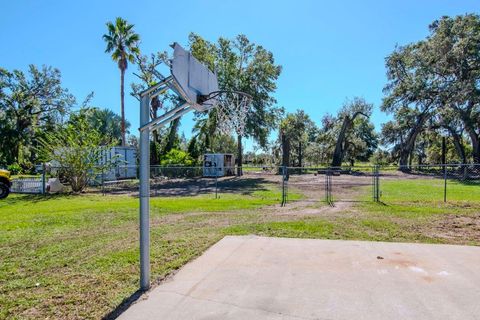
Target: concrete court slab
(250,277)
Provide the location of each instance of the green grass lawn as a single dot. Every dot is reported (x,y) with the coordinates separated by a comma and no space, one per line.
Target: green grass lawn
(76,257)
(419,198)
(411,211)
(414,210)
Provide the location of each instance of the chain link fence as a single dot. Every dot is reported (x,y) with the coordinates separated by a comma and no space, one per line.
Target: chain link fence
(442,183)
(434,183)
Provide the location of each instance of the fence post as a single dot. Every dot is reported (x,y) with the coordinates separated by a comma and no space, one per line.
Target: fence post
(373,184)
(43,178)
(287,178)
(284,168)
(328,187)
(327,200)
(444,183)
(216,182)
(283,186)
(377,181)
(103,182)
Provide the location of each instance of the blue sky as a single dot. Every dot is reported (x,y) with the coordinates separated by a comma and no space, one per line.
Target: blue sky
(329,50)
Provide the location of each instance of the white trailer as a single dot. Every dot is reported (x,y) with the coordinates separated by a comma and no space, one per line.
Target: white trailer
(125,159)
(218,165)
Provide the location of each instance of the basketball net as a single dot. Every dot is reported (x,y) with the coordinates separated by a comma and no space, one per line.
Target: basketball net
(232,108)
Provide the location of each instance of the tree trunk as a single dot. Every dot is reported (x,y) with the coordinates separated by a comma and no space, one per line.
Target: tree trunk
(475,146)
(339,146)
(285,151)
(459,148)
(155,105)
(122,104)
(407,147)
(469,125)
(338,153)
(474,138)
(239,156)
(154,153)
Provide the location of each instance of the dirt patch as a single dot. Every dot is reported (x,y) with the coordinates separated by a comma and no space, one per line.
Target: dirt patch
(462,228)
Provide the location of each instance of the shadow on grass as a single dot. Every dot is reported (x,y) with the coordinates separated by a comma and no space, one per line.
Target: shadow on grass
(166,188)
(123,306)
(193,187)
(33,198)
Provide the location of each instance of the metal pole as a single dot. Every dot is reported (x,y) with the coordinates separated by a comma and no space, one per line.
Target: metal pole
(377,188)
(43,178)
(103,181)
(444,161)
(287,177)
(216,182)
(373,183)
(444,183)
(144,195)
(330,198)
(284,169)
(326,187)
(283,185)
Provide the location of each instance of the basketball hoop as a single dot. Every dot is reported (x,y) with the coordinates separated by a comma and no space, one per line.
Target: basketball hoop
(232,108)
(197,88)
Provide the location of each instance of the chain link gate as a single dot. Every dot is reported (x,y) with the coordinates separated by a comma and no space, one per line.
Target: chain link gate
(339,183)
(350,184)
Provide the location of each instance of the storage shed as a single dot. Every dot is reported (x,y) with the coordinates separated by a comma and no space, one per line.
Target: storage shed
(218,165)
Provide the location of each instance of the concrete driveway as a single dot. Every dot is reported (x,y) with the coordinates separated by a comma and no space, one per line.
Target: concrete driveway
(250,277)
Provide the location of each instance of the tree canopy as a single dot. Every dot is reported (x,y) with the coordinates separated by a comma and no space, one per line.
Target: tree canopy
(432,93)
(434,83)
(243,66)
(31,104)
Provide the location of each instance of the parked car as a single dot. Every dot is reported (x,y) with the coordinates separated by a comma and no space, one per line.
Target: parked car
(5,183)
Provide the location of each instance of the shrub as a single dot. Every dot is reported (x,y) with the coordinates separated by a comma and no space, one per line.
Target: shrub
(177,157)
(76,150)
(14,168)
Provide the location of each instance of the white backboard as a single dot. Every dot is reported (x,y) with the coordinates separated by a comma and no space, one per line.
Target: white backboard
(192,77)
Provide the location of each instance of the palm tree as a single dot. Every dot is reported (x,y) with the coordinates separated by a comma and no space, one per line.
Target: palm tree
(122,42)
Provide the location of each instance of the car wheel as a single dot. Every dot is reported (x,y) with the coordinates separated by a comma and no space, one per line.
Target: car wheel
(4,190)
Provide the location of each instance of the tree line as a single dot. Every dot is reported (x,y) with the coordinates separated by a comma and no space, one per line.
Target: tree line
(432,92)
